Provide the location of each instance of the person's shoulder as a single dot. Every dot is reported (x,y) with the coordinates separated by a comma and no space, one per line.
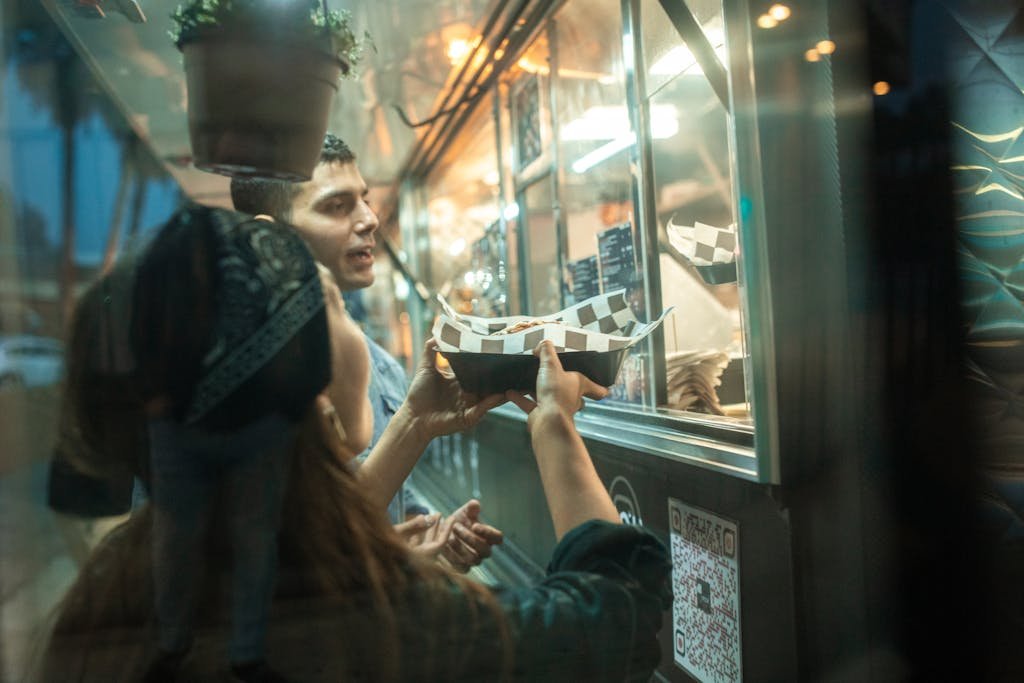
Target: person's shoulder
(376,350)
(381,358)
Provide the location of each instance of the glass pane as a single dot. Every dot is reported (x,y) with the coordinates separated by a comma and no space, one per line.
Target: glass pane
(531,114)
(463,220)
(513,296)
(697,235)
(541,248)
(665,54)
(594,138)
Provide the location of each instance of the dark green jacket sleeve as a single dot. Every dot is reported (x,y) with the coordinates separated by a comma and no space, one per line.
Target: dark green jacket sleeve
(596,615)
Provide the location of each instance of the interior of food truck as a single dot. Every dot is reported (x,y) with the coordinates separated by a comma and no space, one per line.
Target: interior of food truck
(791,235)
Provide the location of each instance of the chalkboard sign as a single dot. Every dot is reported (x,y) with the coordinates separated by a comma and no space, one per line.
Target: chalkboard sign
(617,257)
(584,278)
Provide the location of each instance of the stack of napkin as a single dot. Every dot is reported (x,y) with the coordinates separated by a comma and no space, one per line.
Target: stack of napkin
(692,378)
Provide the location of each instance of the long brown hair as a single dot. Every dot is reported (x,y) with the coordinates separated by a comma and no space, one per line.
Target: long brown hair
(102,427)
(351,596)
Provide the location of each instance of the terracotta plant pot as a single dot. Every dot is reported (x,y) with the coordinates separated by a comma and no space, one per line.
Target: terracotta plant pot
(258,108)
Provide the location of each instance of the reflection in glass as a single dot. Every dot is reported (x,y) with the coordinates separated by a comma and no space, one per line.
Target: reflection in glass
(513,294)
(666,55)
(463,214)
(541,248)
(594,131)
(530,125)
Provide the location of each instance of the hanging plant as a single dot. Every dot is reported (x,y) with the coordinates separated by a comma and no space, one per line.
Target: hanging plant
(261,76)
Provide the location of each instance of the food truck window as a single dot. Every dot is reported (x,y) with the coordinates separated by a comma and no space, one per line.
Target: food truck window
(561,215)
(697,227)
(463,219)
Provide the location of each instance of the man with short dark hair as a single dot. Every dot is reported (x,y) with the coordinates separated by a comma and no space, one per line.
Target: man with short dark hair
(331,213)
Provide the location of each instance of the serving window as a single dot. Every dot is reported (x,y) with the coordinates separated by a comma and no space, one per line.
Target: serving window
(614,169)
(695,210)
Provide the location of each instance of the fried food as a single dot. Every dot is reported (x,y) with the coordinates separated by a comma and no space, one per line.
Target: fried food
(525,325)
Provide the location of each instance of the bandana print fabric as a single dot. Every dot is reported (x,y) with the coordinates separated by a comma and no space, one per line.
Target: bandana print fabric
(268,290)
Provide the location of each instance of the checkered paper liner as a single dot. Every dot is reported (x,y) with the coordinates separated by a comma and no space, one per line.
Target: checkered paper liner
(601,323)
(704,245)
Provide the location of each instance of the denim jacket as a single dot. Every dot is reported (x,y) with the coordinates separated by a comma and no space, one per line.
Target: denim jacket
(388,385)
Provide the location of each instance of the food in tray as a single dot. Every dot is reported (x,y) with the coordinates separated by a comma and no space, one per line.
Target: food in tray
(525,325)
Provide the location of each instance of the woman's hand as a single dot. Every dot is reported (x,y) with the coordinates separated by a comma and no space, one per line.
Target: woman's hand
(438,405)
(426,535)
(471,540)
(558,392)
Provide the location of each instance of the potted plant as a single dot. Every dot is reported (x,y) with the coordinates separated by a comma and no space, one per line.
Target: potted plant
(261,75)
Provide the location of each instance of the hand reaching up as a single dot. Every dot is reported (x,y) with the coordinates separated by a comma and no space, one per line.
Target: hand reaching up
(437,402)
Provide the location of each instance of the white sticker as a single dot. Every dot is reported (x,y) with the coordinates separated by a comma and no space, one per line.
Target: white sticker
(706,589)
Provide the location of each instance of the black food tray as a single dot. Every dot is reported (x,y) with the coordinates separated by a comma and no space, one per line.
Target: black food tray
(718,273)
(496,373)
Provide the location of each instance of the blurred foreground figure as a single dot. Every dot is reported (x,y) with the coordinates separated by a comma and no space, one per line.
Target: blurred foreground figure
(352,601)
(230,335)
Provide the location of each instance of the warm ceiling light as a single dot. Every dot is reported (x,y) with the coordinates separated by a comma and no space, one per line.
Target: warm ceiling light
(825,47)
(779,12)
(812,55)
(880,88)
(767,21)
(458,49)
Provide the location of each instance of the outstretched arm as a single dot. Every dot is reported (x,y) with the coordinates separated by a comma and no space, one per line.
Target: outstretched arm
(574,492)
(435,406)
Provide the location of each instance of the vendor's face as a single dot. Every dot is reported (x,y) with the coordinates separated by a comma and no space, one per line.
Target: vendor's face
(331,213)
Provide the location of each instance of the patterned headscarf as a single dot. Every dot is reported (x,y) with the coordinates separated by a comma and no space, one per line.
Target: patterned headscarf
(269,288)
(228,322)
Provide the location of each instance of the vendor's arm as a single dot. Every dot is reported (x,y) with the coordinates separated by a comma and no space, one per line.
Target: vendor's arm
(435,406)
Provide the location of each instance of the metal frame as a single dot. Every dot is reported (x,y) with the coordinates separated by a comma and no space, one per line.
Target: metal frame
(642,172)
(748,189)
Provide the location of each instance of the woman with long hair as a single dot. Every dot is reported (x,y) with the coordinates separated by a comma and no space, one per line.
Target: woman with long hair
(351,600)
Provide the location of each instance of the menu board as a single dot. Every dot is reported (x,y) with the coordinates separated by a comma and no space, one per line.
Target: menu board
(706,594)
(584,278)
(617,257)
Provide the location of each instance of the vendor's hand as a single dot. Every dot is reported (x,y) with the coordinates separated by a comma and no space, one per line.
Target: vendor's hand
(426,535)
(472,540)
(557,390)
(437,402)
